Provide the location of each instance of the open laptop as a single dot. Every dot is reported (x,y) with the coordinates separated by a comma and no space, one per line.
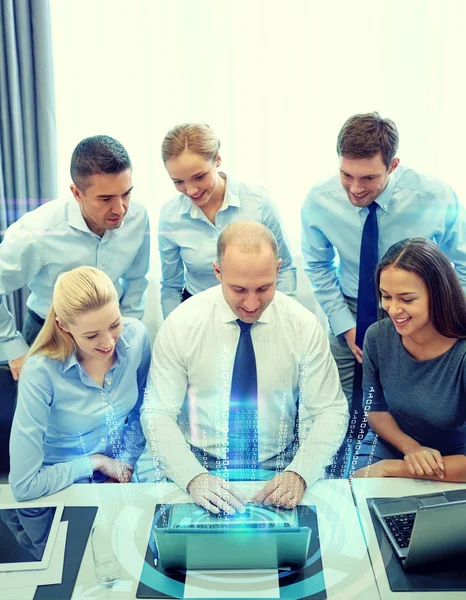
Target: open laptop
(189,537)
(425,528)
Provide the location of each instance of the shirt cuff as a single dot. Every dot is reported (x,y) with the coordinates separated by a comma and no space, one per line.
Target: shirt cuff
(170,302)
(184,478)
(14,348)
(310,475)
(82,467)
(342,321)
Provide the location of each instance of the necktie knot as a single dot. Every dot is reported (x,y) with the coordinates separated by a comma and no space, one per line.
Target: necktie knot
(372,207)
(245,327)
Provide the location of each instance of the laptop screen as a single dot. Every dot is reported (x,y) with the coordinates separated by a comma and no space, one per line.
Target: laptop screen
(192,516)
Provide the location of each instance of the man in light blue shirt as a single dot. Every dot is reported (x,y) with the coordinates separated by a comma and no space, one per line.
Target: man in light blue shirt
(98,227)
(334,213)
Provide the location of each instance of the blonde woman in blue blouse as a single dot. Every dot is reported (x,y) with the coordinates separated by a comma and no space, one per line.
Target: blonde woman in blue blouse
(208,201)
(80,391)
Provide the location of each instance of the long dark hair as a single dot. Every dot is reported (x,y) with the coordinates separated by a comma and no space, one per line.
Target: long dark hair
(447,301)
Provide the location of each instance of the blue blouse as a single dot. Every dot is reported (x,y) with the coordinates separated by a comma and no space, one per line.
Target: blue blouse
(188,240)
(63,416)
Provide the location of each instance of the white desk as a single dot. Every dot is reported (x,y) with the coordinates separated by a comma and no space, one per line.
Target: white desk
(347,569)
(373,488)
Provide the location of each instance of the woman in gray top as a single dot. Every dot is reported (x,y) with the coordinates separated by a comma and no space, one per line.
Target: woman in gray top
(414,366)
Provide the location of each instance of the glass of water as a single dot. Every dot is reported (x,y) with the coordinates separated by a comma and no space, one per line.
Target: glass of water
(104,540)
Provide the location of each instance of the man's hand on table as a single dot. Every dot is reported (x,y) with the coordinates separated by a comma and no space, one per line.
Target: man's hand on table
(285,489)
(216,494)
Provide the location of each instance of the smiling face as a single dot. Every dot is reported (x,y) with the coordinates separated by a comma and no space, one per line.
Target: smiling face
(364,179)
(248,281)
(105,201)
(405,298)
(96,333)
(197,178)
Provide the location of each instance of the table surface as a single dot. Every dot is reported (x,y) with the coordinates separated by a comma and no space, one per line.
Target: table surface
(396,487)
(347,570)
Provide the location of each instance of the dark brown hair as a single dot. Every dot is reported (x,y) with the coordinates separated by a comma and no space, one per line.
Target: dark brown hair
(363,136)
(447,302)
(97,155)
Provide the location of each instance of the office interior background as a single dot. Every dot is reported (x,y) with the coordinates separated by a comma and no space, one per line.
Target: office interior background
(275,79)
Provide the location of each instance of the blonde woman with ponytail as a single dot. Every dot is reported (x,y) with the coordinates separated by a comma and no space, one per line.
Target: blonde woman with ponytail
(208,201)
(80,391)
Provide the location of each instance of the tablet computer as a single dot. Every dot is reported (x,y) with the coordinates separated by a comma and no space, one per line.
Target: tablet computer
(27,535)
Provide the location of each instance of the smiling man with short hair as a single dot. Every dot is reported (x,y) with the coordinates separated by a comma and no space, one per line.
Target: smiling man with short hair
(243,384)
(99,228)
(350,220)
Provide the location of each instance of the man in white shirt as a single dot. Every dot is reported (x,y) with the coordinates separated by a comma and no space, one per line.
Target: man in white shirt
(187,418)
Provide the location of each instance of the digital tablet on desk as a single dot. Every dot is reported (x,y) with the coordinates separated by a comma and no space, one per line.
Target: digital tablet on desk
(27,535)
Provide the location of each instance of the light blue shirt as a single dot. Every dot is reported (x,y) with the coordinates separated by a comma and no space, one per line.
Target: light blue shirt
(412,205)
(53,239)
(63,416)
(188,240)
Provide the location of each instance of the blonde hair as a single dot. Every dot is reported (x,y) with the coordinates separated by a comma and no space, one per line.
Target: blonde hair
(75,293)
(248,237)
(197,138)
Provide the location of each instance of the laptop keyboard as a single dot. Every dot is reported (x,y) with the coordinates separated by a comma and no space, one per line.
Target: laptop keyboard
(401,527)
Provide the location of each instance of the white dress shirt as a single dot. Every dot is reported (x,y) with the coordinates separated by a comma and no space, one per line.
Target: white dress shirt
(190,379)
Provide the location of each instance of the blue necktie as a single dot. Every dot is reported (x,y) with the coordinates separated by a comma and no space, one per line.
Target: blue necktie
(242,430)
(367,295)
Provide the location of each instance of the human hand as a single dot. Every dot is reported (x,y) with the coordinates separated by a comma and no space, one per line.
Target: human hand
(16,366)
(285,489)
(216,494)
(117,470)
(425,461)
(350,337)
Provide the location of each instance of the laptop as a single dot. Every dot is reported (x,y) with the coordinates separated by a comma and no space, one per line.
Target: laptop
(425,528)
(189,537)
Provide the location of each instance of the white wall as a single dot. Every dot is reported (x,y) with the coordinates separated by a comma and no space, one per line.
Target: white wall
(275,79)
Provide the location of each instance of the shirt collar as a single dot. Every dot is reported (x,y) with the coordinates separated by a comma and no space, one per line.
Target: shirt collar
(384,199)
(228,316)
(121,353)
(75,217)
(231,199)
